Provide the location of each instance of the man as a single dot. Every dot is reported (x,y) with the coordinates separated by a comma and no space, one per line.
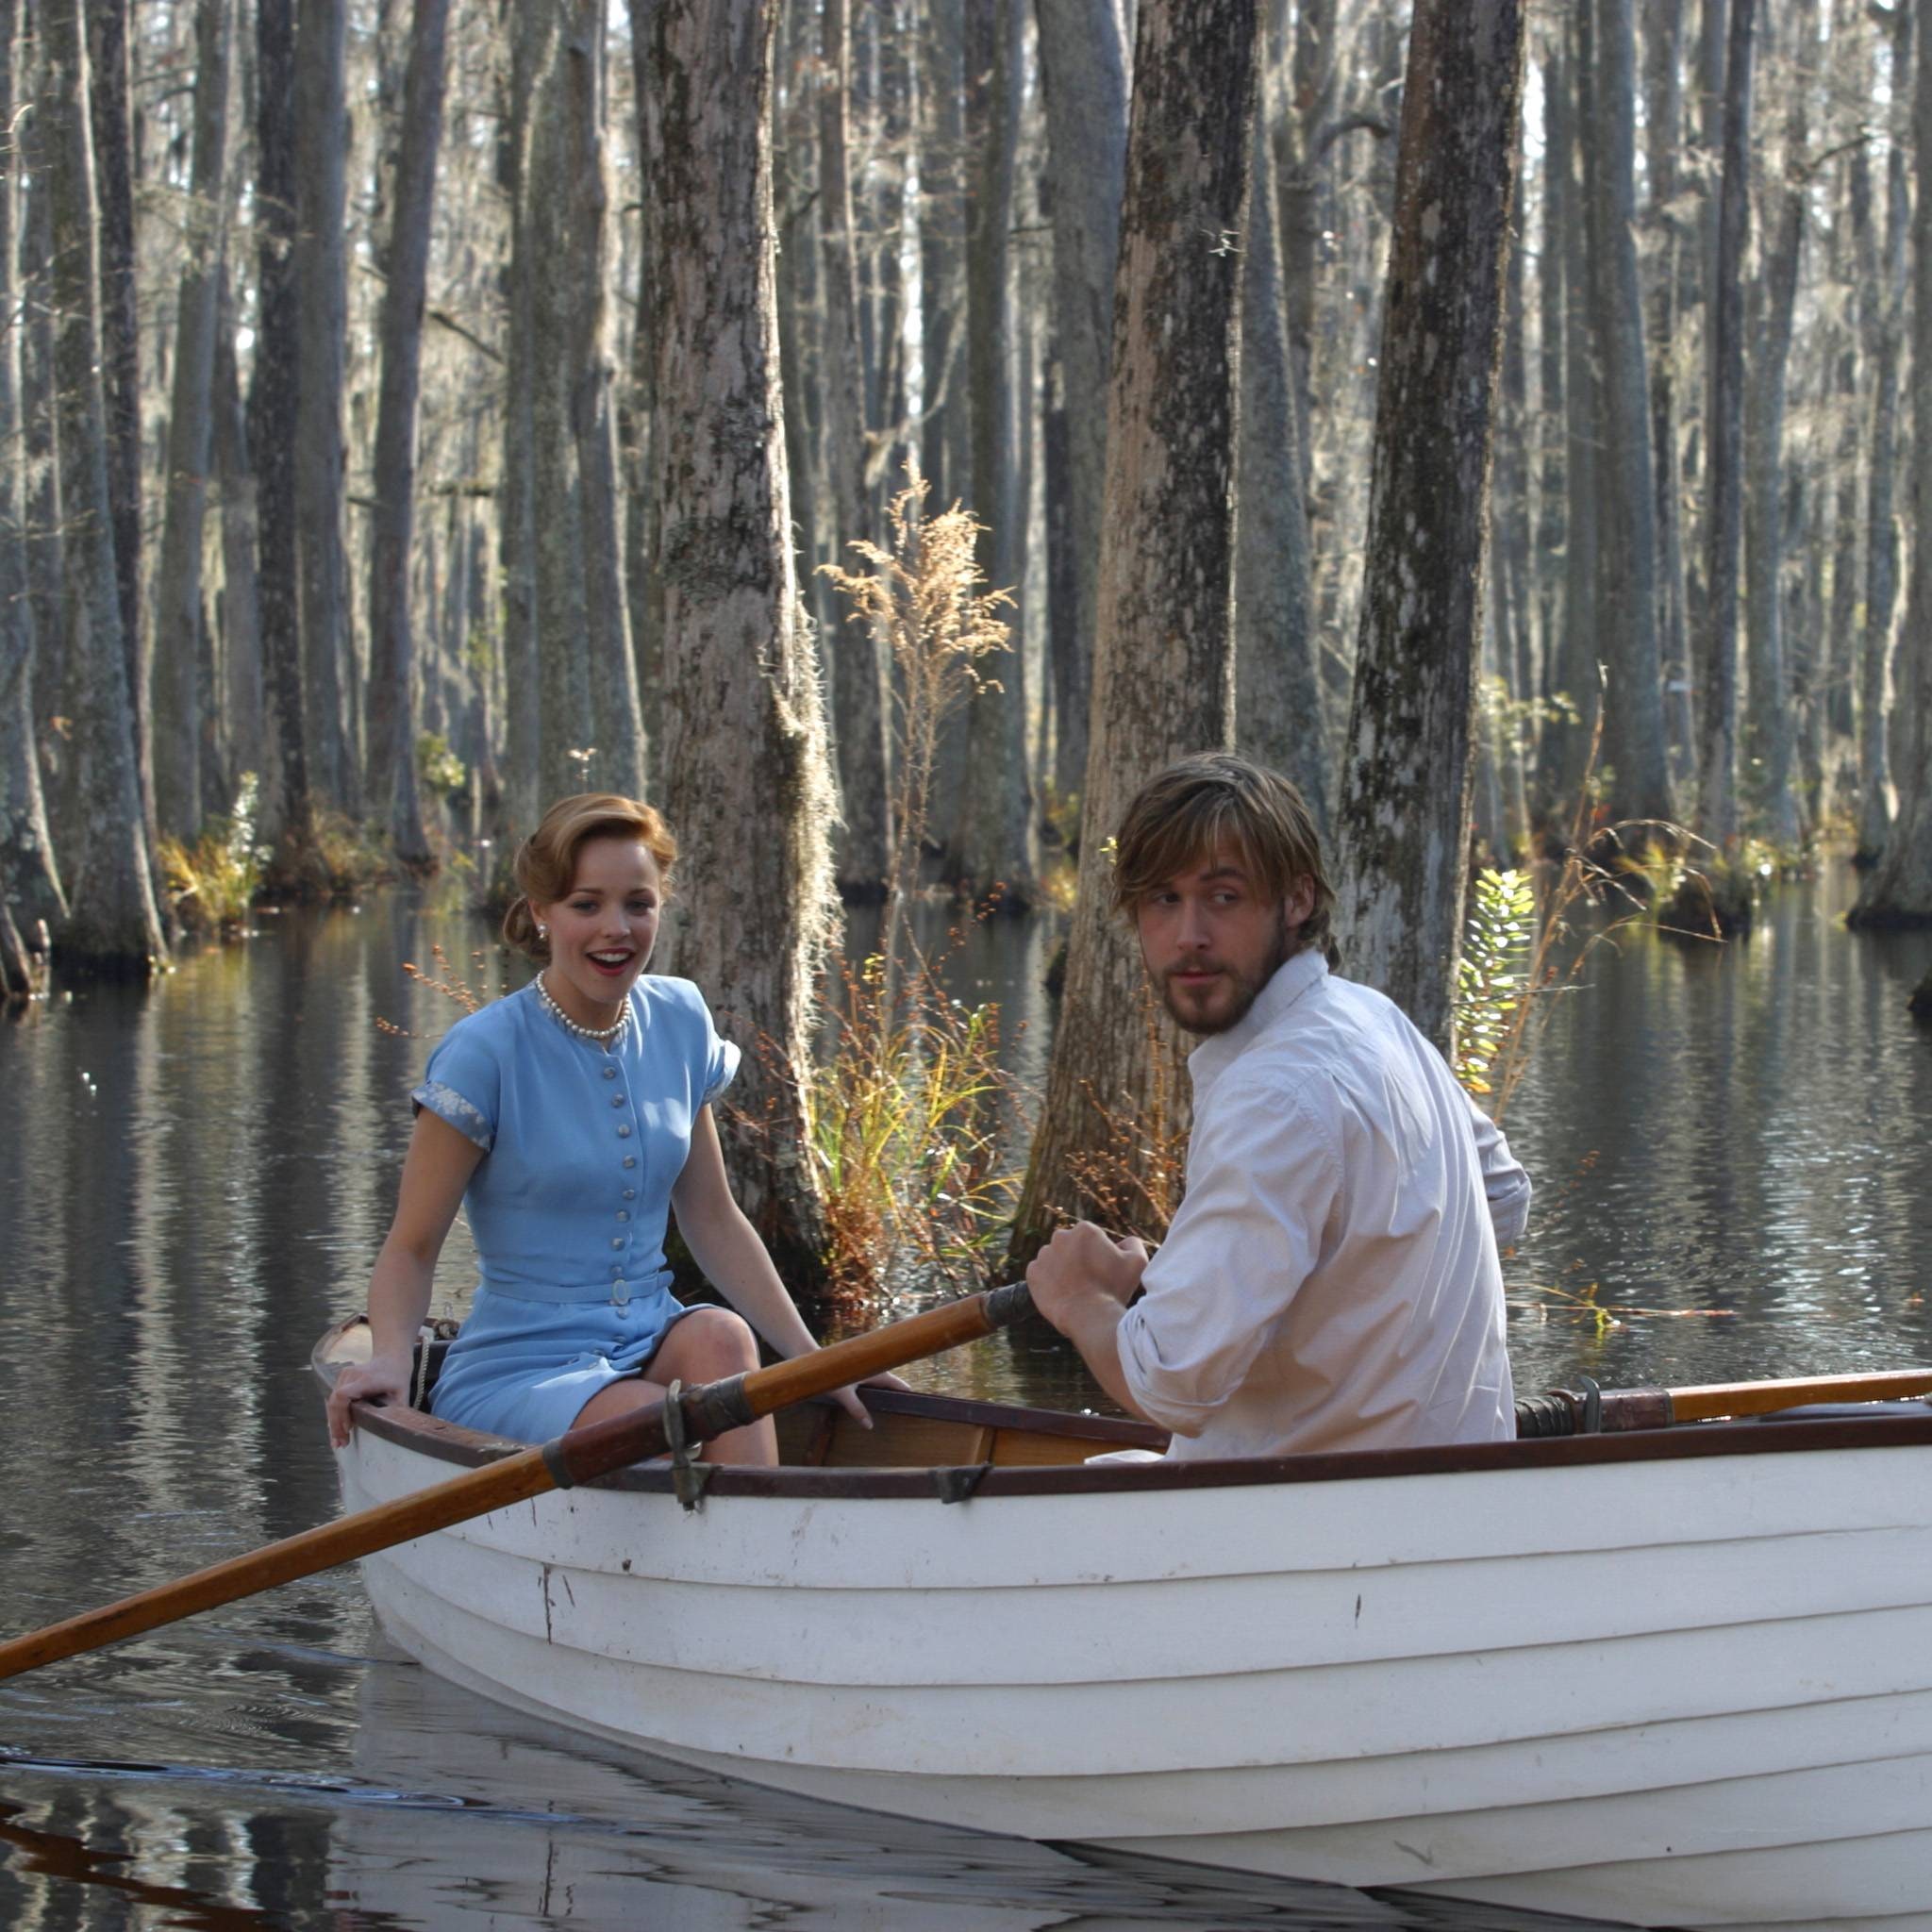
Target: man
(1330,1280)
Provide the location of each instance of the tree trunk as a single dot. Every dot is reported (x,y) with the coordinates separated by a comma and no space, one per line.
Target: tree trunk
(1663,132)
(1404,819)
(249,744)
(272,403)
(747,779)
(113,925)
(1716,749)
(1770,735)
(1571,659)
(1898,891)
(1884,346)
(28,880)
(1634,743)
(1163,667)
(1309,120)
(1278,683)
(858,667)
(391,775)
(617,718)
(525,668)
(1083,71)
(108,87)
(945,445)
(321,340)
(997,842)
(178,619)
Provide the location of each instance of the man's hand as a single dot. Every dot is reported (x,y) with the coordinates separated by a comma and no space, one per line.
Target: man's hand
(1079,1263)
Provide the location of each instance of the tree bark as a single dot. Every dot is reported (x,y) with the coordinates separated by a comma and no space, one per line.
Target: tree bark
(113,924)
(108,87)
(526,668)
(1404,820)
(1634,745)
(272,403)
(1163,668)
(747,778)
(391,784)
(1277,684)
(28,878)
(1770,735)
(858,667)
(1083,72)
(322,322)
(945,445)
(1663,133)
(1716,749)
(997,842)
(1885,331)
(1898,891)
(178,617)
(249,745)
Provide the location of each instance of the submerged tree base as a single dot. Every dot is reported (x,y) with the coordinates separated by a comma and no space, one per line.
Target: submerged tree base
(1718,903)
(1889,919)
(1919,1005)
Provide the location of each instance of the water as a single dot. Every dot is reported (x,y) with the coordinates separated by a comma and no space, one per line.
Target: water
(194,1182)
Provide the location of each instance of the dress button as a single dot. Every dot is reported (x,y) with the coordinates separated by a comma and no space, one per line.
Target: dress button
(610,1073)
(617,1241)
(617,1100)
(630,1193)
(624,1132)
(623,1214)
(630,1161)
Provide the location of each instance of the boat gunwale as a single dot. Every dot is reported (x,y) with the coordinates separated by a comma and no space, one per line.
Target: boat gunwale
(445,1441)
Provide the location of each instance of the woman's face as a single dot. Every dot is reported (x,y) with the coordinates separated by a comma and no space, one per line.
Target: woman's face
(602,929)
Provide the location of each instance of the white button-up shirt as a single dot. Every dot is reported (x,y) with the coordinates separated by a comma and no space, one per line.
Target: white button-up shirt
(1331,1279)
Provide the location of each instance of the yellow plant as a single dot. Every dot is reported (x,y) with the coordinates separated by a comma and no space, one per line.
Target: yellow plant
(910,1117)
(213,882)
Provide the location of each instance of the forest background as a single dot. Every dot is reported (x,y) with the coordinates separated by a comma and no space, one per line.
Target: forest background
(409,413)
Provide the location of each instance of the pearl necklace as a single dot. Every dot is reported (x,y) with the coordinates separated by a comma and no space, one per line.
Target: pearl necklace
(597,1036)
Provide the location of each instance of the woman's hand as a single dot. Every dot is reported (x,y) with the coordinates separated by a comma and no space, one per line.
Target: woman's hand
(849,1399)
(382,1378)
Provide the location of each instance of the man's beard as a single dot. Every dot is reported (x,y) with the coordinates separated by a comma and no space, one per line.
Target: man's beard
(1243,990)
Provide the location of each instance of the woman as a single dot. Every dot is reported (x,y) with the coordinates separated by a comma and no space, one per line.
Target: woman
(570,1118)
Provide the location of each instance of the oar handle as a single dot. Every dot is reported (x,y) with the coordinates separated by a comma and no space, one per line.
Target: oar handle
(573,1457)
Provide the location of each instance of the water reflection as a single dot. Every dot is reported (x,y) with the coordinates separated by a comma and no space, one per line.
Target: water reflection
(455,1813)
(194,1180)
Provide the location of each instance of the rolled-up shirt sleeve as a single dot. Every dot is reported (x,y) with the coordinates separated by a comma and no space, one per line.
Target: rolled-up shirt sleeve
(1262,1177)
(1506,1186)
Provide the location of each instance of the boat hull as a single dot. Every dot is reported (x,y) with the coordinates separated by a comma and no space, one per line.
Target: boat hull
(1685,1689)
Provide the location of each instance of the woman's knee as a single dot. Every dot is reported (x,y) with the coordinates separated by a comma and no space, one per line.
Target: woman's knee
(706,1345)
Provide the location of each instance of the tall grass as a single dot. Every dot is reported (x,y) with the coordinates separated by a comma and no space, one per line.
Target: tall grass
(912,1123)
(213,882)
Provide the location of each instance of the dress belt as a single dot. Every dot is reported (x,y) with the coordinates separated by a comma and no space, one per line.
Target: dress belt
(583,1294)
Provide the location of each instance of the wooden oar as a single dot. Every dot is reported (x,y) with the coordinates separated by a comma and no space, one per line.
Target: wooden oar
(1573,1412)
(1713,1399)
(572,1458)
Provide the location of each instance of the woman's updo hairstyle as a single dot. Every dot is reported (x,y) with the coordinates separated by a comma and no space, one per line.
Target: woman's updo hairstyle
(545,866)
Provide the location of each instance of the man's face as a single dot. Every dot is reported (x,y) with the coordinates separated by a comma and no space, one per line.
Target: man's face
(1211,939)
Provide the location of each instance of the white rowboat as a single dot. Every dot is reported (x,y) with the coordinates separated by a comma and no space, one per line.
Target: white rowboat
(1672,1676)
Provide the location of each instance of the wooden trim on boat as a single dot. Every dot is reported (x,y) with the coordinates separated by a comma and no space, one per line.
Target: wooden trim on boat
(839,1474)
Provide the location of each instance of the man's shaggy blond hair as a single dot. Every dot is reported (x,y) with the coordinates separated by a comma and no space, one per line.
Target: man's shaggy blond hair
(1214,802)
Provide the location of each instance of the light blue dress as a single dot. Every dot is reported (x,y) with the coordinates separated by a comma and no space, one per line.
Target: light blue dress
(569,1203)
